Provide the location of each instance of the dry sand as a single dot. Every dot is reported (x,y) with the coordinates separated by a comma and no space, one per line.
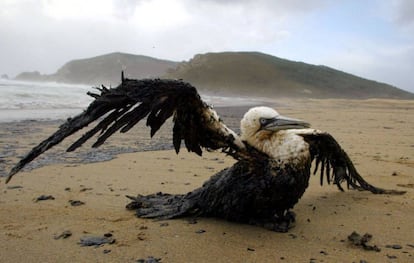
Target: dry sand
(377,134)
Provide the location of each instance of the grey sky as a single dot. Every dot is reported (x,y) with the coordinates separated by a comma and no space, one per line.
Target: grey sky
(373,38)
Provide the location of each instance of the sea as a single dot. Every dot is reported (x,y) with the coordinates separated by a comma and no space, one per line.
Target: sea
(24,100)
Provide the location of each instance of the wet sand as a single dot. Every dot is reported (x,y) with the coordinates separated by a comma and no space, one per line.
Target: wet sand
(377,134)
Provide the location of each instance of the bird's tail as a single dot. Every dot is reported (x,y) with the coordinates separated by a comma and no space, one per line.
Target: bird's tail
(163,206)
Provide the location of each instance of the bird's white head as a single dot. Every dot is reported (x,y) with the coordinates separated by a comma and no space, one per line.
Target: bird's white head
(262,121)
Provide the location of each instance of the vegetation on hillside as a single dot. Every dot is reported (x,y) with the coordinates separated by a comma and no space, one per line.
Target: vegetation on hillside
(265,75)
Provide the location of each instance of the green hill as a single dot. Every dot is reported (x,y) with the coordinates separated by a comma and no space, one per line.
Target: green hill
(105,69)
(264,75)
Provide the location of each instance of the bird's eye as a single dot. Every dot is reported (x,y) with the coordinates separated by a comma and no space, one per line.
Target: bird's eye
(263,121)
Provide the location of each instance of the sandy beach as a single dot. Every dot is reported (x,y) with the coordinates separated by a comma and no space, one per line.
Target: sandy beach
(87,198)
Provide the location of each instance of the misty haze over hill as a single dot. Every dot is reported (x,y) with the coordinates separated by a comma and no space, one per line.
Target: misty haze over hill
(226,73)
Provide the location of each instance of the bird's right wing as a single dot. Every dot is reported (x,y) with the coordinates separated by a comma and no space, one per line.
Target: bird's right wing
(120,108)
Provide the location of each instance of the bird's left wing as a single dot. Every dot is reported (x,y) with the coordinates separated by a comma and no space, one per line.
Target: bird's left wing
(334,163)
(122,107)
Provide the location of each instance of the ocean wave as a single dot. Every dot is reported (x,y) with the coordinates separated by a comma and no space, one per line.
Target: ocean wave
(37,95)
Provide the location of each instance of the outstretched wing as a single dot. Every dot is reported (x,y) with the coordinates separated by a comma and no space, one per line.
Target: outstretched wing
(120,108)
(335,165)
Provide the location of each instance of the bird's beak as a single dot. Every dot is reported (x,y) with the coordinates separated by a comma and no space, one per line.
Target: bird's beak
(284,123)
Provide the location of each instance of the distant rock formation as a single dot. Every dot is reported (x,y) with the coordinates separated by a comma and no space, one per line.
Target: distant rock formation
(32,76)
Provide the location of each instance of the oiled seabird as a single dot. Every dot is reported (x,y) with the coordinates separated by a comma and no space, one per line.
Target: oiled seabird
(274,153)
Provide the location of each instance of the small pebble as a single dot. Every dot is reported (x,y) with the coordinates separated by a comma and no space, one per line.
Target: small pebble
(391,256)
(44,197)
(11,187)
(108,235)
(76,202)
(362,241)
(149,260)
(95,240)
(65,234)
(200,231)
(192,221)
(395,246)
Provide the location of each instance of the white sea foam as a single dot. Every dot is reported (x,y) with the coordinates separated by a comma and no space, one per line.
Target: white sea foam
(22,100)
(220,101)
(39,95)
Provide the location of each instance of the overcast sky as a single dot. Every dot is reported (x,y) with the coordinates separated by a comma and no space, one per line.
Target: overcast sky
(373,39)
